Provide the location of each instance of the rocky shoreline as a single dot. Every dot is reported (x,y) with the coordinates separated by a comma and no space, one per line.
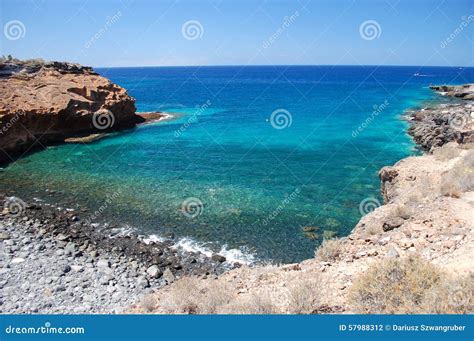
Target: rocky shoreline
(53,262)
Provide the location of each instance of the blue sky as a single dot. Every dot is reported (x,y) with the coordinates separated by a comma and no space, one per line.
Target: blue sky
(148,33)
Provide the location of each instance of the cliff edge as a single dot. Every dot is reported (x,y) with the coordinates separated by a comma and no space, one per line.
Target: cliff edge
(46,102)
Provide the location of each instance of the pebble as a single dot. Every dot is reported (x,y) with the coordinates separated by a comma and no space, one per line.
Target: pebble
(142,282)
(168,276)
(392,253)
(154,271)
(4,236)
(103,263)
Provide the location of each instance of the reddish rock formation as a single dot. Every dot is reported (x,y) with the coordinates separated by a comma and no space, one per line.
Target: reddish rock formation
(44,103)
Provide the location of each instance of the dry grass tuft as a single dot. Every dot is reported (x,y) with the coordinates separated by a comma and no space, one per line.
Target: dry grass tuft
(452,296)
(189,296)
(404,211)
(304,296)
(460,178)
(330,250)
(408,286)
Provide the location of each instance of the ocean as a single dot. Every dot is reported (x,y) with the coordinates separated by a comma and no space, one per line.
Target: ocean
(260,163)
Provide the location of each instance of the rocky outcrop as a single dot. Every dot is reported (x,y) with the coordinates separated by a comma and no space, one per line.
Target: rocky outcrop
(43,103)
(465,91)
(434,127)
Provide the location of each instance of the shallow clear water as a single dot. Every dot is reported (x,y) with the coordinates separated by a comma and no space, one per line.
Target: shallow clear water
(259,186)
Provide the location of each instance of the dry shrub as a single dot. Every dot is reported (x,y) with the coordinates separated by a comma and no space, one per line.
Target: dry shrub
(407,286)
(302,297)
(182,296)
(404,211)
(330,250)
(460,178)
(189,295)
(305,296)
(372,229)
(260,303)
(452,296)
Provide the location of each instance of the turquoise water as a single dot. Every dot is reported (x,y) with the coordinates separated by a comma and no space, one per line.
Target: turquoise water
(259,186)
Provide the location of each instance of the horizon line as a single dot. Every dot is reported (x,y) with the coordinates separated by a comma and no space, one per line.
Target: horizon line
(276,65)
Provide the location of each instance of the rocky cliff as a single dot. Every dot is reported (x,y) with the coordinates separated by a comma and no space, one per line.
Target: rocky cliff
(43,103)
(435,126)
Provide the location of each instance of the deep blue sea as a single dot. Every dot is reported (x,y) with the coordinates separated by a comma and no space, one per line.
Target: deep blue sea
(261,161)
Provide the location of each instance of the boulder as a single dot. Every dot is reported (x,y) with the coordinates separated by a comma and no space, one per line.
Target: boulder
(154,271)
(392,223)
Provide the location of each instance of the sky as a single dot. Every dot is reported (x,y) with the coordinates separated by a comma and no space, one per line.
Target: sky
(226,32)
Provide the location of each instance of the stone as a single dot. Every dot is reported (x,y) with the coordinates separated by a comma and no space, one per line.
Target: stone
(17,260)
(392,253)
(103,263)
(4,236)
(142,282)
(62,237)
(168,276)
(154,271)
(70,248)
(392,223)
(77,268)
(218,258)
(104,280)
(66,269)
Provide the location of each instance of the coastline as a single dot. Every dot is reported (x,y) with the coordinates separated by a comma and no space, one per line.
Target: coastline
(426,215)
(96,266)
